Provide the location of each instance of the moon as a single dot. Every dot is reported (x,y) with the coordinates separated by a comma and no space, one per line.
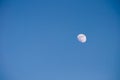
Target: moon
(82,38)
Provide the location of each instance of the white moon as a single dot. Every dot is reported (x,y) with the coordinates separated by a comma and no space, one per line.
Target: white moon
(82,38)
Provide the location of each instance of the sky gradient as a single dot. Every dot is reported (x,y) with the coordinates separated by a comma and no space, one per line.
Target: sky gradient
(38,40)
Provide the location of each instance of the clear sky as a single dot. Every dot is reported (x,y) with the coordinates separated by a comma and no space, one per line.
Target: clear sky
(38,40)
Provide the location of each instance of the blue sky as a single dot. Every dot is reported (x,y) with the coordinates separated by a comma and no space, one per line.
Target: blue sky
(38,40)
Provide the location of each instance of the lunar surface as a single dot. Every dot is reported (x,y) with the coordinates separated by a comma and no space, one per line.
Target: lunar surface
(82,38)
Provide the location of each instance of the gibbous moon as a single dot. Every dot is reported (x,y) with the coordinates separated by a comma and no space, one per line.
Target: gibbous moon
(82,38)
